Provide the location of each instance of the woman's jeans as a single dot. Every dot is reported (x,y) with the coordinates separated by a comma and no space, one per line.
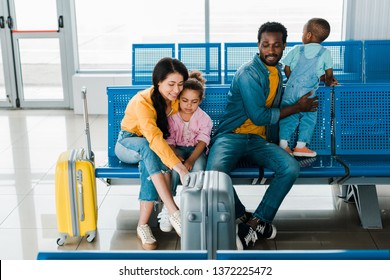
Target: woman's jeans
(229,148)
(199,165)
(133,149)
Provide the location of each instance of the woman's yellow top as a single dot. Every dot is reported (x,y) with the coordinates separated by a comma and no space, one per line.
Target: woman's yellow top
(140,118)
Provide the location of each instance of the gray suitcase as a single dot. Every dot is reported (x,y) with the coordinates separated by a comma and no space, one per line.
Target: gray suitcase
(207,211)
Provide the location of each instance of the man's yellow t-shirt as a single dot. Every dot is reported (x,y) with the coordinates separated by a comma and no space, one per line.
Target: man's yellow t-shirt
(248,127)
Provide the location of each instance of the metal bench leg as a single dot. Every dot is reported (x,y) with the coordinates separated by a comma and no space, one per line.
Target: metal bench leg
(344,191)
(366,199)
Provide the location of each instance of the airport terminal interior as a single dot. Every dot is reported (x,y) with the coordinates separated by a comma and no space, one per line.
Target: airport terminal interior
(45,65)
(311,217)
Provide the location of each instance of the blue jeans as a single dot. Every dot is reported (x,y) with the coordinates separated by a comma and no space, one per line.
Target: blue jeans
(229,148)
(133,149)
(304,121)
(199,165)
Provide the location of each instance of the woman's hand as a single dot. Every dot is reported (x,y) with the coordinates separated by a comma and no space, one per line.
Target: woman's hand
(181,170)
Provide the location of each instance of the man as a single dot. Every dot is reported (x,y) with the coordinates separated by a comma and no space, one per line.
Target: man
(252,112)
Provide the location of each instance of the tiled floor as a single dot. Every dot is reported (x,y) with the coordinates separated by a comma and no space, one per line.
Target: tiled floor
(311,217)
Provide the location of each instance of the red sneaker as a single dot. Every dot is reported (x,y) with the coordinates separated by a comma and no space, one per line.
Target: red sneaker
(288,150)
(304,152)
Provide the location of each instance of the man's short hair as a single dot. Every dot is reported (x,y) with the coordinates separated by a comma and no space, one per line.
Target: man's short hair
(272,27)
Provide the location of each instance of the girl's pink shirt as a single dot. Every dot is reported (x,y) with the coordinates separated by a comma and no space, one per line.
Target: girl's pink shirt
(200,126)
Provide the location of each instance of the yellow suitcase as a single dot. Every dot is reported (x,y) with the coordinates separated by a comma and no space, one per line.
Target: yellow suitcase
(76,200)
(75,191)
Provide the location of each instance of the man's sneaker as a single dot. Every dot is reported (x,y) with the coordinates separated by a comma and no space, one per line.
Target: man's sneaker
(244,218)
(304,152)
(288,150)
(263,229)
(145,234)
(163,219)
(245,235)
(175,220)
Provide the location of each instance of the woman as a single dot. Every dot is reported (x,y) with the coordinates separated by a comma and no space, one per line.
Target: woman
(143,139)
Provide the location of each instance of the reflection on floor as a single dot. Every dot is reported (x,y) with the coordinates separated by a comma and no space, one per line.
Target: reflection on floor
(311,217)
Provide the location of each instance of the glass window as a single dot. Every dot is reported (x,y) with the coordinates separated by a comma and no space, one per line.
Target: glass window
(232,21)
(36,15)
(41,56)
(107,30)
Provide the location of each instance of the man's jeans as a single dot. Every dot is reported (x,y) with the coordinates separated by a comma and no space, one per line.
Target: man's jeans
(229,148)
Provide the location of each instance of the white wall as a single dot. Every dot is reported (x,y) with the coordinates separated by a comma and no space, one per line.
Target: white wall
(96,85)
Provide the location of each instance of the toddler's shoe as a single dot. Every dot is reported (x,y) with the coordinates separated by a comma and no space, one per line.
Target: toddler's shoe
(288,150)
(304,152)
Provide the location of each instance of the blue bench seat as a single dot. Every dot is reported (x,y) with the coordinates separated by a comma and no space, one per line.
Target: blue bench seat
(367,165)
(362,143)
(324,165)
(318,167)
(351,138)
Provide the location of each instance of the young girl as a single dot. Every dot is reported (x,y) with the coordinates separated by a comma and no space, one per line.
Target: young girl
(143,140)
(190,131)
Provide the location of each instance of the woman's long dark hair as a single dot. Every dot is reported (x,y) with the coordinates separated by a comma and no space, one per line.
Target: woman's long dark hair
(163,68)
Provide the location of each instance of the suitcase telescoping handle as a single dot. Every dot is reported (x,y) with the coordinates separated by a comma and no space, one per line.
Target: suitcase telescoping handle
(86,121)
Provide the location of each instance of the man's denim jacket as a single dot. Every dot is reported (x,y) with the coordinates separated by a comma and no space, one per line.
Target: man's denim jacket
(246,99)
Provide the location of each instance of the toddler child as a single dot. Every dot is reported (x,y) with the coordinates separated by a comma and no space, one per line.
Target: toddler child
(305,66)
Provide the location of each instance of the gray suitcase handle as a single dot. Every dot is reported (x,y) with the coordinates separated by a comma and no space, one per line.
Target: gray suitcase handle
(86,121)
(81,194)
(194,180)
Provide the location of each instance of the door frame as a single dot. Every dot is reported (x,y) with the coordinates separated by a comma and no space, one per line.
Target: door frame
(13,72)
(7,58)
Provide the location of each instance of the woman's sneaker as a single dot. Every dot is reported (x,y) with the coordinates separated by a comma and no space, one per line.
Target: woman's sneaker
(163,219)
(175,220)
(144,233)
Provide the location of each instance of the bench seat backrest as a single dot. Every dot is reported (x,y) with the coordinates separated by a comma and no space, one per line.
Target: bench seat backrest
(362,119)
(214,105)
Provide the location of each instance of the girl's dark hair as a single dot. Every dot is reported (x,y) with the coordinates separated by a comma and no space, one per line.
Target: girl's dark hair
(162,69)
(196,81)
